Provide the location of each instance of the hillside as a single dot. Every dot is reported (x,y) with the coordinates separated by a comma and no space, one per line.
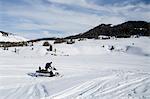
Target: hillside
(124,30)
(9,37)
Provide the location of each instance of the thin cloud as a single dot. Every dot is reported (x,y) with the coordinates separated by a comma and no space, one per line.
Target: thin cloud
(75,16)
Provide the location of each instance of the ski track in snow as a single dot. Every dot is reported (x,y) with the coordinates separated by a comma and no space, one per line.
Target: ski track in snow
(108,87)
(35,91)
(120,85)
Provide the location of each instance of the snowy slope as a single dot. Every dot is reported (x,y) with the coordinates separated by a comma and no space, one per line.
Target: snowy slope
(89,70)
(11,37)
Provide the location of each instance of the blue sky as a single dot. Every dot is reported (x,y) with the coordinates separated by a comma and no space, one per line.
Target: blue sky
(49,18)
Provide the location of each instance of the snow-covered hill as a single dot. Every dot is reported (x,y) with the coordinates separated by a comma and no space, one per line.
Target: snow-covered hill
(9,37)
(90,69)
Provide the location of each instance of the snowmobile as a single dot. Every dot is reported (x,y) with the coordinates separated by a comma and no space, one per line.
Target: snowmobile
(45,73)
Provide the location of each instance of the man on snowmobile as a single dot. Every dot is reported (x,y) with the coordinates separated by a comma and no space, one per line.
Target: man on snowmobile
(48,66)
(48,71)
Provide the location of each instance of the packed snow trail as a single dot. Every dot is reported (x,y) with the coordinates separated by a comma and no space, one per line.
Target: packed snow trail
(35,91)
(118,86)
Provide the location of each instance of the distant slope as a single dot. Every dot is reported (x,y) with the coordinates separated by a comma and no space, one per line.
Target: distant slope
(9,37)
(126,29)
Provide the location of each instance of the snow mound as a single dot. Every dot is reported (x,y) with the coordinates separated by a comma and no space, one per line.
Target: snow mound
(33,51)
(82,48)
(126,49)
(136,51)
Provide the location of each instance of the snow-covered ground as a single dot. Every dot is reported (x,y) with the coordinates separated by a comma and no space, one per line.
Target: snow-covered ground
(89,69)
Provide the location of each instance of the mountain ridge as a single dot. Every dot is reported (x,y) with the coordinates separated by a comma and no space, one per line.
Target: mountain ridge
(126,29)
(123,30)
